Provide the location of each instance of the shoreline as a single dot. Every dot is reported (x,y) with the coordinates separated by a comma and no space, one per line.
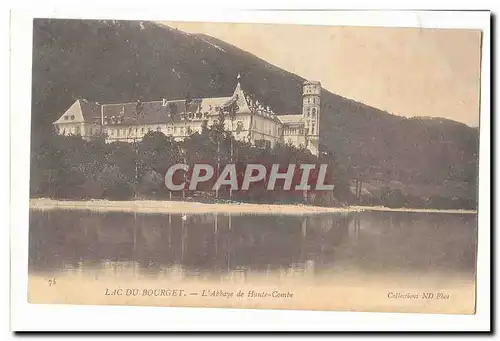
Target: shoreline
(180,207)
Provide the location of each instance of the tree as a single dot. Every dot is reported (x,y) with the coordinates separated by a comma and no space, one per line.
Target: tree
(157,152)
(115,185)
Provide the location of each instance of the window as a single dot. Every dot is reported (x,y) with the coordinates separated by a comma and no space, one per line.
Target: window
(142,130)
(72,117)
(77,130)
(158,128)
(117,132)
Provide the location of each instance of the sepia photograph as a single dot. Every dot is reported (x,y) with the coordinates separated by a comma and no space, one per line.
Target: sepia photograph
(254,165)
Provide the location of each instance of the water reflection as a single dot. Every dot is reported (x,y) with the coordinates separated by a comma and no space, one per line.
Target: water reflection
(218,245)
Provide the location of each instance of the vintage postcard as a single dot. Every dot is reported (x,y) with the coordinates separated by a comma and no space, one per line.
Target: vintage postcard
(254,165)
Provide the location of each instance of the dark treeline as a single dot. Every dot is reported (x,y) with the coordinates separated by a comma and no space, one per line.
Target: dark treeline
(69,167)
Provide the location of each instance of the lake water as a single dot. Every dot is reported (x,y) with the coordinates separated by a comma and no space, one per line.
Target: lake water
(391,251)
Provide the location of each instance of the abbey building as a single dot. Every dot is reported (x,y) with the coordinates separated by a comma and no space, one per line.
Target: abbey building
(245,117)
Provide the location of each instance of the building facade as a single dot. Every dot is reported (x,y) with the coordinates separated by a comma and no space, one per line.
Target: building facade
(245,117)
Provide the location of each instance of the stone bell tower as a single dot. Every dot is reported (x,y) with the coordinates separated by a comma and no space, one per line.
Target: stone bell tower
(311,105)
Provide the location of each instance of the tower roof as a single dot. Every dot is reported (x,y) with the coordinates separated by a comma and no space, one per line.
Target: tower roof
(311,83)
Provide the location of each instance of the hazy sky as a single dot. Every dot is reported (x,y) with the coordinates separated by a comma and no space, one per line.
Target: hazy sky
(406,71)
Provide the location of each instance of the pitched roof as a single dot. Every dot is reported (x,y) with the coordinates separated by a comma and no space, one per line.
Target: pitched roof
(287,119)
(89,110)
(159,112)
(74,114)
(152,112)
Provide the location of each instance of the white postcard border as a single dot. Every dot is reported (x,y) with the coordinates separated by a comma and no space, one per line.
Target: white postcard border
(28,317)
